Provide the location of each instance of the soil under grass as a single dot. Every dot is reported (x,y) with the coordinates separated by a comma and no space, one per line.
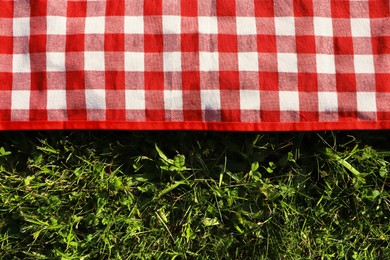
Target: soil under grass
(194,195)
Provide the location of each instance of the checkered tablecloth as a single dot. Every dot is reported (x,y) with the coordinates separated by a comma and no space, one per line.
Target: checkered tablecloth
(243,65)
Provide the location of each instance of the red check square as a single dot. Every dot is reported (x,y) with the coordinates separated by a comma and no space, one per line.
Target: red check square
(231,114)
(5,114)
(269,81)
(340,9)
(115,8)
(75,80)
(307,82)
(226,8)
(115,115)
(38,114)
(306,44)
(155,115)
(189,8)
(190,42)
(190,80)
(152,7)
(5,81)
(115,80)
(38,8)
(193,115)
(303,8)
(343,45)
(6,44)
(114,42)
(264,8)
(229,80)
(37,43)
(382,82)
(306,116)
(154,80)
(266,43)
(38,81)
(76,8)
(6,9)
(346,82)
(381,45)
(227,43)
(75,43)
(270,116)
(379,9)
(76,114)
(153,43)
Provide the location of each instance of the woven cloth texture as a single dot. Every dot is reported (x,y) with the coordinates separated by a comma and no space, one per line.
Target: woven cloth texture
(241,65)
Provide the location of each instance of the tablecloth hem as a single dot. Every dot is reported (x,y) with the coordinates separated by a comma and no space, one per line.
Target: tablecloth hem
(195,125)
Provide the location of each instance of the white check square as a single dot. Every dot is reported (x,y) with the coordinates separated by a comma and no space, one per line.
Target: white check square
(95,98)
(21,63)
(364,64)
(289,101)
(285,26)
(208,61)
(21,26)
(55,61)
(56,99)
(366,101)
(208,24)
(20,99)
(95,25)
(287,62)
(323,26)
(171,24)
(248,61)
(134,24)
(246,25)
(134,61)
(327,102)
(325,64)
(360,27)
(173,100)
(94,61)
(250,100)
(56,25)
(210,99)
(135,99)
(172,61)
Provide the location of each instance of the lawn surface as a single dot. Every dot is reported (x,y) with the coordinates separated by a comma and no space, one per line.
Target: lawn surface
(194,195)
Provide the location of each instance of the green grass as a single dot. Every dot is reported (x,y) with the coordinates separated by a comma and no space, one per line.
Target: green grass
(194,195)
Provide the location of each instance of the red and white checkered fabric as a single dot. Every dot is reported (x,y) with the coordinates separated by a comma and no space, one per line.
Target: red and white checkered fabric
(244,65)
